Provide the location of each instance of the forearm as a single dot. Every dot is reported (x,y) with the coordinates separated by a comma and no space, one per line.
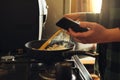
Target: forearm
(112,35)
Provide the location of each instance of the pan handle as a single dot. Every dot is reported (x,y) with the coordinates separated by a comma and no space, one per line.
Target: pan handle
(71,53)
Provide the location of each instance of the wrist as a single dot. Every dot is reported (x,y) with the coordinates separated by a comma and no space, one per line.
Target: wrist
(112,35)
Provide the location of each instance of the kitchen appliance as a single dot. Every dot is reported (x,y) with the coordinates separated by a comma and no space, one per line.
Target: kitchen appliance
(20,21)
(17,66)
(22,68)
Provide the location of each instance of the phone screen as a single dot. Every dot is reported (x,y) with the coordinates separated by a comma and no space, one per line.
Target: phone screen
(66,23)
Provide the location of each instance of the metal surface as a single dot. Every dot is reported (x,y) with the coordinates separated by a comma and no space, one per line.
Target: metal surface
(82,70)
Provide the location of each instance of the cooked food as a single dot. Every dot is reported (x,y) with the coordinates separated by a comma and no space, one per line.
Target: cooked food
(56,47)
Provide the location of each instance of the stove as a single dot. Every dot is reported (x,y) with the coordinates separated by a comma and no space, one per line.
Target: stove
(13,67)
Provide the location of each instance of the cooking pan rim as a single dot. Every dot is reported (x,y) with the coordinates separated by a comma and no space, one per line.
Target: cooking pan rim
(35,49)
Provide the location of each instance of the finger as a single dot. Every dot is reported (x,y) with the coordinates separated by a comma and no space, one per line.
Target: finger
(89,25)
(73,33)
(67,32)
(77,40)
(80,34)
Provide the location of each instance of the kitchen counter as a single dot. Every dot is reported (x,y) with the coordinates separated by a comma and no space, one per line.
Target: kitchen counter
(87,60)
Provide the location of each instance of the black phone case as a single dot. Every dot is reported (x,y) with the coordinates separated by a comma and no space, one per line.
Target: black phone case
(67,23)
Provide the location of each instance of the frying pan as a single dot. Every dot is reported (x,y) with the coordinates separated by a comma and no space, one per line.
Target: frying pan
(48,56)
(53,56)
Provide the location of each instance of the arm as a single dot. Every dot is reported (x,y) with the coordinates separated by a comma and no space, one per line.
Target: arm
(96,34)
(114,35)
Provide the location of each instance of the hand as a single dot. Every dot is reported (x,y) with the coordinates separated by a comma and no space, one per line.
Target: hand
(76,16)
(96,34)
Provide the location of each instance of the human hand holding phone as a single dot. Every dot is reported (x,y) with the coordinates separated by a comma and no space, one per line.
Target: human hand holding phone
(67,23)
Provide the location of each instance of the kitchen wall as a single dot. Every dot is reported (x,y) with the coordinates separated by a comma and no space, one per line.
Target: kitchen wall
(86,6)
(56,9)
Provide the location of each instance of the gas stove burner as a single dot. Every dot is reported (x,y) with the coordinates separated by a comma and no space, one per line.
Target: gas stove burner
(58,71)
(8,58)
(48,72)
(47,76)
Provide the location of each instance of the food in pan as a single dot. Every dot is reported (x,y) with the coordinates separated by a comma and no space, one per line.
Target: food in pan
(56,47)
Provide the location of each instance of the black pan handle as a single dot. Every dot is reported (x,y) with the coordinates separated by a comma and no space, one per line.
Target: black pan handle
(71,53)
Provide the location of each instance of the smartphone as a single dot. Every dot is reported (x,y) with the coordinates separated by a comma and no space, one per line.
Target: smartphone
(67,23)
